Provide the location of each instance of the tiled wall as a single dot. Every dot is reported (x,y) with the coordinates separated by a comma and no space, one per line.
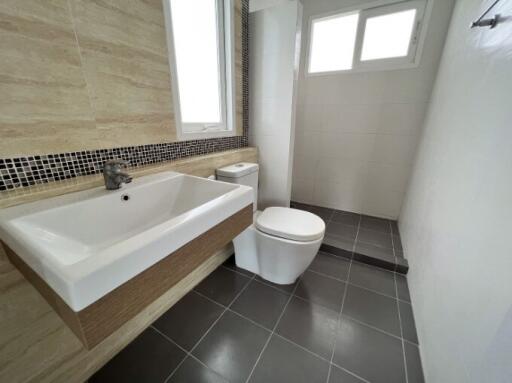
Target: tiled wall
(77,75)
(357,133)
(456,221)
(85,81)
(273,78)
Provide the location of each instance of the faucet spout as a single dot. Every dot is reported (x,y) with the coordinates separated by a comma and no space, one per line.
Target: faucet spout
(124,178)
(113,175)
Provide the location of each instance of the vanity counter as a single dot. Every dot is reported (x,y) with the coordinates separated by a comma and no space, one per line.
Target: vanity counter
(36,345)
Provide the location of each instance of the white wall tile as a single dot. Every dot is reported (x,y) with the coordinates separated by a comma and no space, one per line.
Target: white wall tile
(271,99)
(302,189)
(366,124)
(456,220)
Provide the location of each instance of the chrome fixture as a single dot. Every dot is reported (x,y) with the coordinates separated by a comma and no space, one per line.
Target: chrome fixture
(491,23)
(113,175)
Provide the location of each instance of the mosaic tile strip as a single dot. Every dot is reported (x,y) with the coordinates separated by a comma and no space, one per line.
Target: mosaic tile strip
(32,170)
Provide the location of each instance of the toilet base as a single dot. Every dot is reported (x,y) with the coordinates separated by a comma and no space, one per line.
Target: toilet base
(275,259)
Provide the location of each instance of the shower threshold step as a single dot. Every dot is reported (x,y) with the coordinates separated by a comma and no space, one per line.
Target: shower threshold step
(366,239)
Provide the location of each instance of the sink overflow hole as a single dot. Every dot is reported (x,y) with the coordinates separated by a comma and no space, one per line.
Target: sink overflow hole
(125,197)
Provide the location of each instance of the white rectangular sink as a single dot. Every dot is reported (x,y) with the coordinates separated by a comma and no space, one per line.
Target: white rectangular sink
(86,244)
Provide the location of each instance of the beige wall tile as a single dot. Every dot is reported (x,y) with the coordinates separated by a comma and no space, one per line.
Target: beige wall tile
(81,75)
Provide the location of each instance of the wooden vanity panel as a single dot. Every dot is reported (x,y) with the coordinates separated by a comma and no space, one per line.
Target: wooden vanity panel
(100,319)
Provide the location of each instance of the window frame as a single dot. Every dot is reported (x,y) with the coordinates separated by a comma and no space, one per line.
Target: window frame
(226,61)
(377,8)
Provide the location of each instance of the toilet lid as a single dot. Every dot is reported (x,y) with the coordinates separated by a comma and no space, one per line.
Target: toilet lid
(297,225)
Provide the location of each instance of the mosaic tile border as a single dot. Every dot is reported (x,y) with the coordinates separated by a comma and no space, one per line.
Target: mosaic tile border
(32,170)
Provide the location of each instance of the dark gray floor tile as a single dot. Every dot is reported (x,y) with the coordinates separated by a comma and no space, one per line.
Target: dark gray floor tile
(323,212)
(374,255)
(408,326)
(402,266)
(337,246)
(322,290)
(413,362)
(375,251)
(377,224)
(397,243)
(373,278)
(369,353)
(261,303)
(375,238)
(149,358)
(310,325)
(222,285)
(288,289)
(191,371)
(232,347)
(402,287)
(340,376)
(187,321)
(328,264)
(346,218)
(282,362)
(300,206)
(342,231)
(372,308)
(231,264)
(394,227)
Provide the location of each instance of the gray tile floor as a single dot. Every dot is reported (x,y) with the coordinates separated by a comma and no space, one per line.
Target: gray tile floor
(367,239)
(342,322)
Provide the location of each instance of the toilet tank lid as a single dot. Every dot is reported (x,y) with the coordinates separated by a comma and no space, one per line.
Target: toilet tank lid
(237,170)
(297,225)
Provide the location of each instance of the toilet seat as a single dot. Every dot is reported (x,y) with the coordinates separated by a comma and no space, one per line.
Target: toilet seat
(293,224)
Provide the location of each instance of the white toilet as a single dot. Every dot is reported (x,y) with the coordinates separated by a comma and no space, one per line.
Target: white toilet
(282,242)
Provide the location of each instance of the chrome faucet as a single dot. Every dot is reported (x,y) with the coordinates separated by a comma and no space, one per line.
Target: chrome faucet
(113,175)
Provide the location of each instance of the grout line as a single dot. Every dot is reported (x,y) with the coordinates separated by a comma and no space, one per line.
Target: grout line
(209,328)
(371,326)
(249,319)
(302,348)
(401,333)
(296,345)
(267,283)
(326,275)
(358,285)
(272,333)
(374,267)
(262,281)
(188,354)
(323,306)
(208,298)
(411,343)
(349,372)
(338,320)
(317,304)
(236,271)
(276,334)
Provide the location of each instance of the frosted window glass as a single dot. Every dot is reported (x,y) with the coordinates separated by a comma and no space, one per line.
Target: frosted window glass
(332,43)
(388,35)
(196,47)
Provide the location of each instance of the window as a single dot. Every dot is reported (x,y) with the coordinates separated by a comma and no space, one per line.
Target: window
(338,31)
(200,51)
(384,37)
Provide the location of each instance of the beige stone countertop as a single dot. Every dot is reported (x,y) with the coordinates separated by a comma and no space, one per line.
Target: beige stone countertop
(202,166)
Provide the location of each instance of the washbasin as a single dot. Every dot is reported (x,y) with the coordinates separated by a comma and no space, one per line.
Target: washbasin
(85,244)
